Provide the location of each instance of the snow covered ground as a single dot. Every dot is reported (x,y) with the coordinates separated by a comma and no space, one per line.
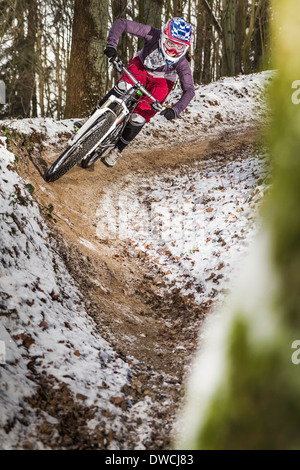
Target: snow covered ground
(193,225)
(232,102)
(41,309)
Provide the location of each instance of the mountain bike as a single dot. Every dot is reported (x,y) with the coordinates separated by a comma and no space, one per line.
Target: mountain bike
(103,128)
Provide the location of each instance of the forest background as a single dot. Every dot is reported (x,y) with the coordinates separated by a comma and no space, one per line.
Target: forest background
(51,51)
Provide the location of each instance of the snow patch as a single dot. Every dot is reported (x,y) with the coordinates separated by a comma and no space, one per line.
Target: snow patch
(43,318)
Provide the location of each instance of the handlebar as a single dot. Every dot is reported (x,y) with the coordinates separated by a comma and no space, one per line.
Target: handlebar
(120,67)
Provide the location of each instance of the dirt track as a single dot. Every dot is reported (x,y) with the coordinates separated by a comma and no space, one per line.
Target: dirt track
(121,292)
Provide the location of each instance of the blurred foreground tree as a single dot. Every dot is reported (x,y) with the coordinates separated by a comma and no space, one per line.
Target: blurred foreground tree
(244,392)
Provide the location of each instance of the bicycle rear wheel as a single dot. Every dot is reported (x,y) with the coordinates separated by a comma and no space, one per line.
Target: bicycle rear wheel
(68,160)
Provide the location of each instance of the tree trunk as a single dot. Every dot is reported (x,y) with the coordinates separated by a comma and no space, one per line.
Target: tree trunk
(119,11)
(168,9)
(260,60)
(153,13)
(240,33)
(150,12)
(177,8)
(228,27)
(86,82)
(26,60)
(246,50)
(199,41)
(207,66)
(40,66)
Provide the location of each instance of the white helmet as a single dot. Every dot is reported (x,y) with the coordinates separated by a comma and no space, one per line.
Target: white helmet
(175,39)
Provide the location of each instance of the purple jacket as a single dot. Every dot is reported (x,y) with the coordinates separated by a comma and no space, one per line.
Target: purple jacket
(170,72)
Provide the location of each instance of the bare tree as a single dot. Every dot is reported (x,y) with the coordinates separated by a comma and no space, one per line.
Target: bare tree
(240,33)
(86,82)
(228,27)
(51,54)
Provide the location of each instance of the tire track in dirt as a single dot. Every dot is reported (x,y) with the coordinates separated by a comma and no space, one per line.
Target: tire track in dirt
(115,279)
(122,294)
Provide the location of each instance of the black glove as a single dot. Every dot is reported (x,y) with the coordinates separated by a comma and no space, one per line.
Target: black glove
(110,52)
(169,113)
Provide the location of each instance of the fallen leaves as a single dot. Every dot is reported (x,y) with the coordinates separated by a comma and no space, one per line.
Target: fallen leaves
(54,296)
(43,324)
(26,339)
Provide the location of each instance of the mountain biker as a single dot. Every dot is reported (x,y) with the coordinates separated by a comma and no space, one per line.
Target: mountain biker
(157,66)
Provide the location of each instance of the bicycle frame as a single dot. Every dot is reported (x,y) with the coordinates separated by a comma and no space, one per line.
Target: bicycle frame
(117,63)
(115,113)
(89,127)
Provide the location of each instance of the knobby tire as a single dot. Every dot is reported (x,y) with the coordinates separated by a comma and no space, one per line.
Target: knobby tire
(64,164)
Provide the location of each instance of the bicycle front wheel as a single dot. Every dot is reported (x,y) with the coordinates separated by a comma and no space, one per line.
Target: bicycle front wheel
(68,160)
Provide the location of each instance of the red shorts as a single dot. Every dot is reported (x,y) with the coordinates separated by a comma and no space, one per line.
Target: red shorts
(158,87)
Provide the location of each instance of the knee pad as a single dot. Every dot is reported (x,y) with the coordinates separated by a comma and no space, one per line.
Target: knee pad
(137,120)
(117,91)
